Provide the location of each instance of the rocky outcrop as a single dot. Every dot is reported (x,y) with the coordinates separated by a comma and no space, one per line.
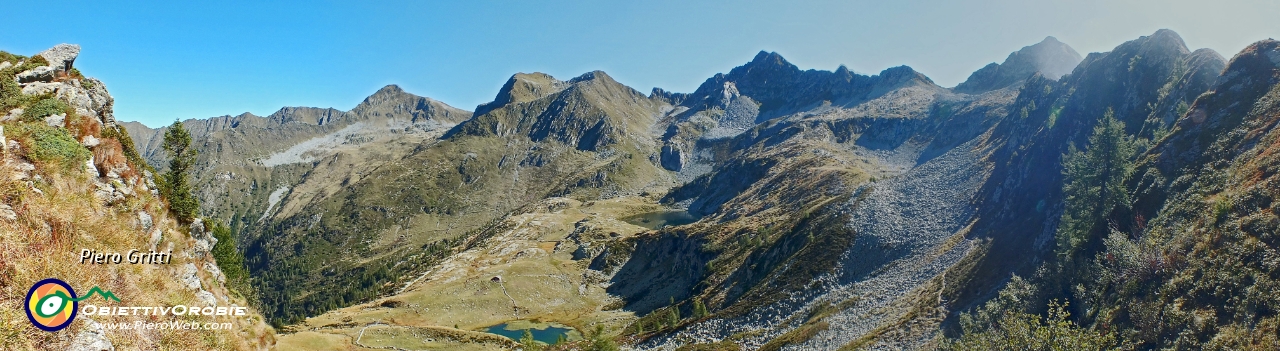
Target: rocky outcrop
(672,157)
(38,74)
(61,56)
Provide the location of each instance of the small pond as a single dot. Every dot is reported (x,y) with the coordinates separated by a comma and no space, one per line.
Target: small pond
(659,219)
(544,332)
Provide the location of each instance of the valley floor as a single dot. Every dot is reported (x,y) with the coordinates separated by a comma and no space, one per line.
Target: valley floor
(526,272)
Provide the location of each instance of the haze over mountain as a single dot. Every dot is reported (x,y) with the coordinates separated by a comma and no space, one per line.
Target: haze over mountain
(1050,58)
(826,210)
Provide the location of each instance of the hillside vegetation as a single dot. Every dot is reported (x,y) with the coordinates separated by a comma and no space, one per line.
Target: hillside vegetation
(70,180)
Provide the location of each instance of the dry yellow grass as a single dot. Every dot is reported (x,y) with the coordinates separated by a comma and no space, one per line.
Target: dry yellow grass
(58,216)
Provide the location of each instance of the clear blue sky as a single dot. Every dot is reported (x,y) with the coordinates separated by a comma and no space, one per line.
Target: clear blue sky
(177,59)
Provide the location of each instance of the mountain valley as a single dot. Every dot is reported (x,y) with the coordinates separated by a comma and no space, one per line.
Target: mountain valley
(814,210)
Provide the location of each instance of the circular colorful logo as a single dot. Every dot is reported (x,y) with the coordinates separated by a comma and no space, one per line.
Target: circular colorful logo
(51,304)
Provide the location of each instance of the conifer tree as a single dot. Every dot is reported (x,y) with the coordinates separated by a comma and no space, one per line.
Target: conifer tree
(176,186)
(1094,185)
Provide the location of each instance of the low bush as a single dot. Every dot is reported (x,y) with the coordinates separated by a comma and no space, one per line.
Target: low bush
(109,155)
(49,146)
(44,108)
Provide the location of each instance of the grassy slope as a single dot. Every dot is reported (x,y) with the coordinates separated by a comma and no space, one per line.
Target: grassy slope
(58,215)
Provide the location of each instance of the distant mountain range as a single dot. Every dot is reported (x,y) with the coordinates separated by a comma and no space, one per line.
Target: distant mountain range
(834,210)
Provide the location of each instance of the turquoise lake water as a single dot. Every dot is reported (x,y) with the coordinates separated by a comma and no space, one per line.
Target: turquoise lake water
(659,219)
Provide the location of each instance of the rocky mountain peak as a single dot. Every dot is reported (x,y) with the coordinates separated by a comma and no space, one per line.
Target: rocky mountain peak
(388,94)
(593,76)
(523,87)
(766,59)
(393,102)
(899,75)
(1050,57)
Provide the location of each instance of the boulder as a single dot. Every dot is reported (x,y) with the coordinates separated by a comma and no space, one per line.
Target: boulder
(90,169)
(100,102)
(197,229)
(91,338)
(154,241)
(41,88)
(144,220)
(207,298)
(56,120)
(215,272)
(12,116)
(38,74)
(89,141)
(187,276)
(7,213)
(5,64)
(89,98)
(61,56)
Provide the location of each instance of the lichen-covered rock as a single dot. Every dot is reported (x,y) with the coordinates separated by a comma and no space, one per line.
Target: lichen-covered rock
(61,56)
(12,115)
(56,120)
(206,298)
(144,220)
(41,88)
(91,338)
(38,74)
(187,276)
(7,213)
(215,272)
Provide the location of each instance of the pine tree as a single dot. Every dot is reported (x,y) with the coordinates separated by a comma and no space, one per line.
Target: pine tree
(1094,185)
(528,342)
(230,261)
(176,186)
(699,309)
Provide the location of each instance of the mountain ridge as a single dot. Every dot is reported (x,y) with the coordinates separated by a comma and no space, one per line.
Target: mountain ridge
(831,209)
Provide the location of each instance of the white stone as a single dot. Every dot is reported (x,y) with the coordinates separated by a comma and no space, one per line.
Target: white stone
(41,88)
(144,219)
(187,276)
(38,74)
(56,120)
(7,213)
(13,115)
(89,141)
(61,56)
(91,338)
(155,238)
(207,298)
(90,168)
(5,64)
(215,272)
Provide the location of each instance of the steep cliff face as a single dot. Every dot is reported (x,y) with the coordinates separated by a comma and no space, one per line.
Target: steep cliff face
(71,181)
